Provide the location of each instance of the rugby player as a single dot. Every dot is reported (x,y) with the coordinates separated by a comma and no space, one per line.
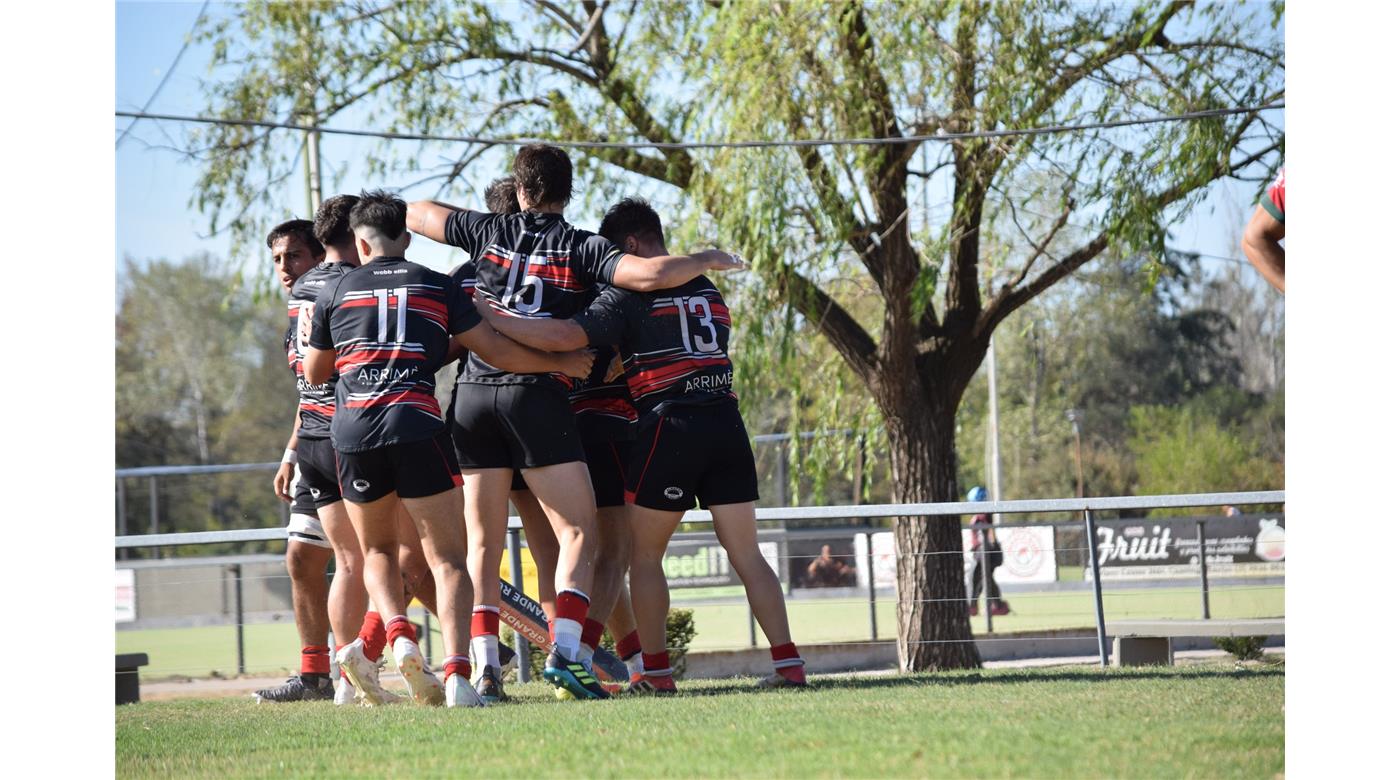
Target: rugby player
(384,329)
(487,654)
(295,251)
(539,266)
(1264,232)
(691,441)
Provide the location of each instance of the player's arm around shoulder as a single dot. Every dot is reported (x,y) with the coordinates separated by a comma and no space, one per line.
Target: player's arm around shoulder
(546,333)
(648,274)
(508,355)
(429,218)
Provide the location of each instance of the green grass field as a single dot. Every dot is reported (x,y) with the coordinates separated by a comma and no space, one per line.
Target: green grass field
(271,648)
(1198,721)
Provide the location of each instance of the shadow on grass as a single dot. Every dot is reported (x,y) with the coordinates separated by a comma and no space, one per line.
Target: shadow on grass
(923,679)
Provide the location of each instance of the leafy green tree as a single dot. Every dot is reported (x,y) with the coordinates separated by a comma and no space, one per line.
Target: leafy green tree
(824,226)
(201,377)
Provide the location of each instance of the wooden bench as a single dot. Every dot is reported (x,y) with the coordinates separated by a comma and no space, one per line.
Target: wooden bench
(129,678)
(1144,642)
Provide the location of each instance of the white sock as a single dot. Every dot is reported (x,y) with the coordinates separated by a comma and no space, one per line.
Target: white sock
(486,651)
(634,665)
(585,656)
(566,637)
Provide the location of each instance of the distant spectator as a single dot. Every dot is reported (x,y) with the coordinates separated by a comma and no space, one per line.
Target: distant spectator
(1264,232)
(984,532)
(1231,511)
(828,572)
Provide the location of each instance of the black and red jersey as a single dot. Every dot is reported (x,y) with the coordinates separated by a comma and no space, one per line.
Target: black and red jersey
(316,403)
(389,322)
(464,276)
(604,409)
(533,265)
(674,343)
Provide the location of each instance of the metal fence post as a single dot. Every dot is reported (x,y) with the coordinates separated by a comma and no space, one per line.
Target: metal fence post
(237,569)
(986,577)
(1092,533)
(122,554)
(1205,583)
(522,645)
(870,582)
(753,626)
(153,489)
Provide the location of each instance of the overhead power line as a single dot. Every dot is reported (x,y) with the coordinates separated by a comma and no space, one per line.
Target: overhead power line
(939,136)
(166,76)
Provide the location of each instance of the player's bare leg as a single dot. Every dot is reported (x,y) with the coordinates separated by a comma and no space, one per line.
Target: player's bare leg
(738,533)
(651,599)
(306,566)
(348,600)
(439,524)
(565,492)
(623,625)
(544,548)
(376,527)
(614,555)
(413,565)
(486,512)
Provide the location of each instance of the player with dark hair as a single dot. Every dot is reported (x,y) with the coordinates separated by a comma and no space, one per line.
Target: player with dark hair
(536,265)
(295,251)
(384,329)
(487,655)
(691,441)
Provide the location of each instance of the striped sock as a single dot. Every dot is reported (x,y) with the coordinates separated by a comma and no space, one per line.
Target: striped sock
(457,664)
(571,609)
(399,626)
(486,642)
(316,659)
(372,634)
(788,663)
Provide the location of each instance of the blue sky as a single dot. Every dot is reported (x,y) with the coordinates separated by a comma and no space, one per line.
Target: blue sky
(154,182)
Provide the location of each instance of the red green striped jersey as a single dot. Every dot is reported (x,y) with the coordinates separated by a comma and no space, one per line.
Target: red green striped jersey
(389,322)
(1273,198)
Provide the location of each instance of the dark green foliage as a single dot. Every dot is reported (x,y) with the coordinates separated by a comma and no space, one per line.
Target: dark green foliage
(1243,648)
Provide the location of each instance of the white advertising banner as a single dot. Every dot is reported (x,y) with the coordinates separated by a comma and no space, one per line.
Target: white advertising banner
(883,544)
(1028,554)
(126,596)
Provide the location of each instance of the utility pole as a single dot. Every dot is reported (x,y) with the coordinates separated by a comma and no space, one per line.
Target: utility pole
(993,431)
(1074,415)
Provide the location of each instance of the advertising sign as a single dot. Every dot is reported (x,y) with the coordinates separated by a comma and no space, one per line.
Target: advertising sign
(1028,554)
(126,596)
(1243,545)
(703,563)
(883,545)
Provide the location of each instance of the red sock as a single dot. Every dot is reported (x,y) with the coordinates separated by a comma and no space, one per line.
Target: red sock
(372,634)
(788,663)
(592,633)
(485,622)
(316,659)
(457,664)
(571,605)
(629,646)
(658,669)
(398,626)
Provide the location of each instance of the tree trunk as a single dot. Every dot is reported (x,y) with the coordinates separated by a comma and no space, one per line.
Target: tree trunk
(934,632)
